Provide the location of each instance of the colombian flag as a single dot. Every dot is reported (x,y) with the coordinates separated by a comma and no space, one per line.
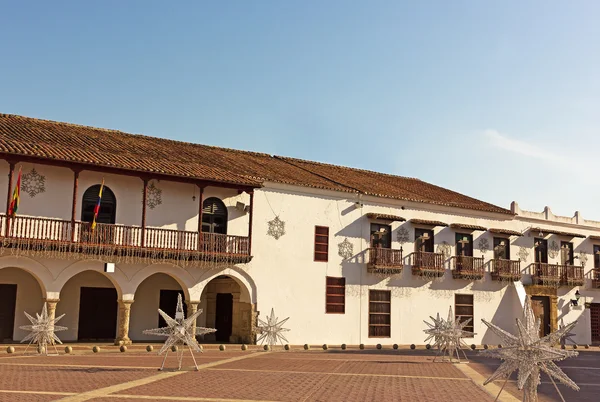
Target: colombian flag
(16,198)
(97,208)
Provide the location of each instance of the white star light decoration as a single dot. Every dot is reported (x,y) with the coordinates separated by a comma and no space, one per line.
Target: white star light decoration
(271,330)
(345,249)
(179,332)
(276,228)
(447,335)
(43,330)
(528,354)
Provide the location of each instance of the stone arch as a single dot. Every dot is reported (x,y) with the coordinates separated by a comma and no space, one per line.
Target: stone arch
(182,276)
(40,272)
(247,285)
(118,279)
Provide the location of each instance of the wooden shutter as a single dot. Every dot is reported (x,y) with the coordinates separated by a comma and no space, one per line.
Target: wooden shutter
(463,310)
(335,294)
(380,309)
(321,243)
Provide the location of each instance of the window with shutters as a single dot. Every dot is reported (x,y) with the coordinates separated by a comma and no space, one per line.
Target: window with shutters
(380,309)
(214,216)
(541,250)
(501,248)
(108,205)
(464,244)
(463,310)
(321,243)
(335,294)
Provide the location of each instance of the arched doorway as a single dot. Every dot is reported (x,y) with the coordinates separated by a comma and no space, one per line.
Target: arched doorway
(108,205)
(19,291)
(89,300)
(227,308)
(157,291)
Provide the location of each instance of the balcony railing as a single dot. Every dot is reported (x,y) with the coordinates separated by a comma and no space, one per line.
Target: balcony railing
(464,267)
(385,260)
(595,276)
(25,232)
(506,270)
(427,264)
(556,275)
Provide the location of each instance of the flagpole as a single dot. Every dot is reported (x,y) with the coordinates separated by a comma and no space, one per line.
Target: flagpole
(11,171)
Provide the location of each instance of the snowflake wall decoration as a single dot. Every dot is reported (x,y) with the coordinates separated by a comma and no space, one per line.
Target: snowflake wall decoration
(270,331)
(483,245)
(553,250)
(523,253)
(154,196)
(402,236)
(33,183)
(345,249)
(583,257)
(444,249)
(276,228)
(43,330)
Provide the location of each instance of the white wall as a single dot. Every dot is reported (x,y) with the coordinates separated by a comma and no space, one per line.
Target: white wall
(29,297)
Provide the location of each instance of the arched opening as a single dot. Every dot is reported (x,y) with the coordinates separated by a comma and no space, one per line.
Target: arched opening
(158,291)
(19,291)
(214,216)
(89,300)
(108,205)
(227,308)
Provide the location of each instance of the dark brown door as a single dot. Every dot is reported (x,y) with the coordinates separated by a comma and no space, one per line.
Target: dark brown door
(97,314)
(168,304)
(224,319)
(541,310)
(595,322)
(8,301)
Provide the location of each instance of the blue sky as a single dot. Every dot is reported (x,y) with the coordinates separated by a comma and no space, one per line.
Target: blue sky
(499,100)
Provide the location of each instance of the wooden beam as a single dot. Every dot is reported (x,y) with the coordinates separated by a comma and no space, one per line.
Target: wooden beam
(200,205)
(250,223)
(144,201)
(11,170)
(74,202)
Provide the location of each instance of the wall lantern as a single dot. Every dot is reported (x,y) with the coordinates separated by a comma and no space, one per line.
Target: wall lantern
(575,301)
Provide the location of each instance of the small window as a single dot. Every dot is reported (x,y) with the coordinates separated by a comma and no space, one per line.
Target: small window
(596,256)
(541,250)
(566,253)
(501,248)
(214,216)
(464,245)
(463,310)
(321,243)
(380,308)
(424,240)
(335,294)
(381,235)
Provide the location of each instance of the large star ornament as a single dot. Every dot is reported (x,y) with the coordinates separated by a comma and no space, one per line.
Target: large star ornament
(43,330)
(528,354)
(448,335)
(271,331)
(179,333)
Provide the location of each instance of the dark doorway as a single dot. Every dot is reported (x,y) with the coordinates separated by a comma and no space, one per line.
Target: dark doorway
(97,314)
(541,310)
(168,304)
(8,302)
(595,322)
(424,240)
(381,235)
(224,318)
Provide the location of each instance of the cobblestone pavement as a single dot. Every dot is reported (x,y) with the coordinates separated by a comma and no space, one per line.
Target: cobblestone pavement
(235,375)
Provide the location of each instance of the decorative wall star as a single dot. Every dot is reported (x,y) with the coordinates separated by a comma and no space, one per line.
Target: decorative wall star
(523,253)
(345,249)
(483,245)
(276,228)
(33,183)
(43,330)
(403,236)
(154,196)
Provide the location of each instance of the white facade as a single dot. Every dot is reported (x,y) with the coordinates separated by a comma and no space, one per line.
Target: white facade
(282,273)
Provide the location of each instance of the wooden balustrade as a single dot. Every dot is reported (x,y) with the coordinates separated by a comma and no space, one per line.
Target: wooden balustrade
(572,275)
(383,260)
(52,231)
(556,275)
(595,277)
(464,267)
(506,270)
(429,264)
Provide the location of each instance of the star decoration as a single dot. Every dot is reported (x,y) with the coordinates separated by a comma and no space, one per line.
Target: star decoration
(154,196)
(568,336)
(179,332)
(444,249)
(448,334)
(484,245)
(402,236)
(523,254)
(276,228)
(43,330)
(33,183)
(583,257)
(553,250)
(270,331)
(528,354)
(345,249)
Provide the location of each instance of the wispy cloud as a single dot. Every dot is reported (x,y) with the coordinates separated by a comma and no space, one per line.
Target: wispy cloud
(506,143)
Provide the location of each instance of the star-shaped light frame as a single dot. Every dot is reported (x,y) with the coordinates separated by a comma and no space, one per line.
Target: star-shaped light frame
(448,336)
(43,330)
(179,333)
(271,331)
(529,354)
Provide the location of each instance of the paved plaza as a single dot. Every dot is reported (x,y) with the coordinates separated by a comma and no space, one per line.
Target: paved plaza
(254,375)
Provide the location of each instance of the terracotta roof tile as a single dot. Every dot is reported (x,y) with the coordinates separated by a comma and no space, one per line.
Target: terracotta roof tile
(505,232)
(467,227)
(427,223)
(556,232)
(385,217)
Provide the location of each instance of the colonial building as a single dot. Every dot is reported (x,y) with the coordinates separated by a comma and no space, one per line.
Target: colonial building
(351,256)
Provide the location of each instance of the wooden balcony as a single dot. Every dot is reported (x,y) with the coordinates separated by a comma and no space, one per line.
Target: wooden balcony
(127,242)
(470,268)
(556,275)
(594,275)
(427,264)
(385,260)
(506,270)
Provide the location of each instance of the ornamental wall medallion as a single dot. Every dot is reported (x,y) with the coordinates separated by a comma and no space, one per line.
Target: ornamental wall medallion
(345,249)
(484,245)
(444,249)
(276,228)
(154,196)
(553,250)
(402,236)
(523,253)
(33,183)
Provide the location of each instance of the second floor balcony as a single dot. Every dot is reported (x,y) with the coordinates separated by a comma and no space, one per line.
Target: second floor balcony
(595,276)
(506,270)
(556,275)
(466,267)
(428,264)
(385,260)
(119,241)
